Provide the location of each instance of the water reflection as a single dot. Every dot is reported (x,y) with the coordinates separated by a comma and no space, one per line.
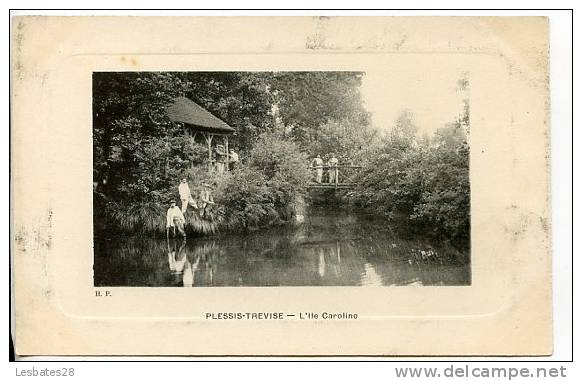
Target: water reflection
(370,277)
(176,257)
(329,249)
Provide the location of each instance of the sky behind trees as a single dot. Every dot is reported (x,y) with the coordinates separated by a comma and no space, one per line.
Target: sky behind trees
(432,97)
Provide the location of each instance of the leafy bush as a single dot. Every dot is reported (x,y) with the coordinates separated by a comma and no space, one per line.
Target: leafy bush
(265,192)
(424,182)
(445,201)
(247,201)
(284,167)
(275,156)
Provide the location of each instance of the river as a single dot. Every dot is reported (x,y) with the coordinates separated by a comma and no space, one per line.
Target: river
(331,248)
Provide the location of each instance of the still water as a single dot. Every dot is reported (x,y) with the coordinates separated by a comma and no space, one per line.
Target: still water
(330,249)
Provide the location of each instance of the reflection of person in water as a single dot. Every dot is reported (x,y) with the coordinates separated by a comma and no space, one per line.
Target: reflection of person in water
(329,258)
(181,258)
(321,262)
(188,275)
(204,259)
(189,272)
(171,255)
(335,259)
(176,258)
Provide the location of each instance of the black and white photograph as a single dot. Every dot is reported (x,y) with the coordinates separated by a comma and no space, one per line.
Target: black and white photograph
(281,178)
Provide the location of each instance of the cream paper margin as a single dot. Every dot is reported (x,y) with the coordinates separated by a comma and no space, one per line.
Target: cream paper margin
(506,310)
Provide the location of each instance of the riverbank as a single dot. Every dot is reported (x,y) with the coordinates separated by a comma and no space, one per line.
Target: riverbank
(302,211)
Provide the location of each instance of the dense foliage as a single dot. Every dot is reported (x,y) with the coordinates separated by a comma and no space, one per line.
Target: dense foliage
(138,151)
(421,181)
(345,138)
(264,192)
(307,101)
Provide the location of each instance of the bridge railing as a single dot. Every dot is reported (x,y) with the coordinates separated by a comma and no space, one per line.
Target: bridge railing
(343,173)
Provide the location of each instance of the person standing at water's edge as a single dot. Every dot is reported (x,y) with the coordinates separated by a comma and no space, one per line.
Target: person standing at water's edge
(317,164)
(175,220)
(186,196)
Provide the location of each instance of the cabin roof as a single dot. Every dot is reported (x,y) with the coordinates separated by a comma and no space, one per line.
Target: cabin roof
(196,117)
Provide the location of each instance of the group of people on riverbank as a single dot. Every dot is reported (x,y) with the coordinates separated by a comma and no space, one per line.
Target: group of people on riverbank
(318,165)
(175,216)
(175,219)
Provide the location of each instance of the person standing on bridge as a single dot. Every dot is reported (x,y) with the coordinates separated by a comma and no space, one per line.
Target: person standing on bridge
(317,164)
(333,169)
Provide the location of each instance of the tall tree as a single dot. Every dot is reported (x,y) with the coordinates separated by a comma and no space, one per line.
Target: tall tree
(308,100)
(132,136)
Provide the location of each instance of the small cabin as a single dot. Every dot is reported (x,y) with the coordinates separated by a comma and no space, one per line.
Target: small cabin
(198,121)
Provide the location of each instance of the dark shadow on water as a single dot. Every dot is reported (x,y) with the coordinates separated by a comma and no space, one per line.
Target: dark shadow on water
(330,249)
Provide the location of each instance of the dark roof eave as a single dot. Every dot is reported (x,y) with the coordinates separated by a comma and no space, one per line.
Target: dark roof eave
(212,130)
(184,110)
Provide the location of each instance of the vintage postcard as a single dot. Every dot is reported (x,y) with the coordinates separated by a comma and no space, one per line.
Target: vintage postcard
(281,186)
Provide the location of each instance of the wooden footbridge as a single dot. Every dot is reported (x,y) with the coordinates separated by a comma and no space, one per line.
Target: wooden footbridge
(342,173)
